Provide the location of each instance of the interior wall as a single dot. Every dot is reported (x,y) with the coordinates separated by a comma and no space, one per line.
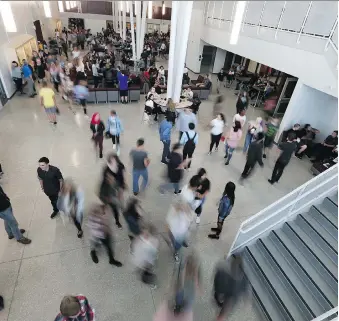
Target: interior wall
(219,60)
(311,106)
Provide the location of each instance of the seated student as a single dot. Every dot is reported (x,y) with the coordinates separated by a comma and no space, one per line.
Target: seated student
(188,93)
(206,83)
(307,136)
(152,92)
(325,149)
(301,146)
(230,77)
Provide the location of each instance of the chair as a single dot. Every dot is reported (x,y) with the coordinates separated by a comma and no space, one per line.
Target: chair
(199,80)
(91,99)
(134,93)
(101,95)
(112,94)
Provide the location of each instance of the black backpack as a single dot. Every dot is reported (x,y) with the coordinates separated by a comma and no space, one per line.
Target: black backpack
(190,145)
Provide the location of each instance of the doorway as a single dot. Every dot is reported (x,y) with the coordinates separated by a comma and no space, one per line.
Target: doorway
(3,96)
(38,30)
(207,61)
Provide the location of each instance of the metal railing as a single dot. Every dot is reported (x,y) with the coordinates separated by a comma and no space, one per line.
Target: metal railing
(330,315)
(300,199)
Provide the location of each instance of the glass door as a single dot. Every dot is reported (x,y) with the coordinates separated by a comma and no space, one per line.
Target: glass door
(285,96)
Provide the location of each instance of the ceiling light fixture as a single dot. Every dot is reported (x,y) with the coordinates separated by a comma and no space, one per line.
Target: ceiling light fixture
(149,9)
(47,9)
(61,6)
(239,15)
(7,16)
(68,5)
(163,8)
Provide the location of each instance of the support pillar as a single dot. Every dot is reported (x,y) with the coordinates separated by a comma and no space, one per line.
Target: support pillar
(143,25)
(124,9)
(130,4)
(180,24)
(120,22)
(138,18)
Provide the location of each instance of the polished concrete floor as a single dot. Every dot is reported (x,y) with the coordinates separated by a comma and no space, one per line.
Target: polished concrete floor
(34,278)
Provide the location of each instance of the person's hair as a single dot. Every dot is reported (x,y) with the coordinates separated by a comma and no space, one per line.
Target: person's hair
(229,191)
(69,306)
(176,146)
(201,172)
(307,125)
(191,126)
(113,112)
(150,97)
(335,131)
(237,126)
(140,142)
(222,116)
(161,67)
(14,62)
(112,155)
(44,83)
(194,181)
(260,136)
(295,125)
(43,160)
(291,137)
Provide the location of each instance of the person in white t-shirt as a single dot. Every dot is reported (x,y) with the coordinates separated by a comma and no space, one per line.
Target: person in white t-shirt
(241,117)
(75,53)
(217,129)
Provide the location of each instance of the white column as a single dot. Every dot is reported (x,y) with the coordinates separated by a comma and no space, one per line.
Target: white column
(137,13)
(130,4)
(120,22)
(143,25)
(124,9)
(116,15)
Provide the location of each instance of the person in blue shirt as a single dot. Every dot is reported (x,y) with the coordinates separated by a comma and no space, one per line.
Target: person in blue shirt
(226,204)
(81,94)
(114,129)
(28,76)
(189,140)
(123,87)
(165,129)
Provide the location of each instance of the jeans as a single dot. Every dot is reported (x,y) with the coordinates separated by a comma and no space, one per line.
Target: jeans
(166,150)
(229,152)
(54,200)
(11,225)
(136,175)
(30,85)
(248,140)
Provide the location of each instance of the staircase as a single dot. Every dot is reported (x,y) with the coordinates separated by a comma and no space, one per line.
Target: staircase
(293,269)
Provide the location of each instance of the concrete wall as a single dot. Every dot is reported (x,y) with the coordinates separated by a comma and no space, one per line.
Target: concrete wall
(311,106)
(219,60)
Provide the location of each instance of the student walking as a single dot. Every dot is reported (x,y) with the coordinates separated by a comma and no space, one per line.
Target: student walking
(270,132)
(133,218)
(217,129)
(71,202)
(114,129)
(81,93)
(48,102)
(202,191)
(17,76)
(51,182)
(98,129)
(165,129)
(28,76)
(231,141)
(185,118)
(140,163)
(101,234)
(11,224)
(287,149)
(226,204)
(254,155)
(254,127)
(189,140)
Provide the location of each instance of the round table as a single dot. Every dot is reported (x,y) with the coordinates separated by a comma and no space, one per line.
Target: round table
(162,102)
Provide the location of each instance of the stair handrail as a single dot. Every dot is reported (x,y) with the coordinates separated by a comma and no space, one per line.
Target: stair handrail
(327,314)
(330,175)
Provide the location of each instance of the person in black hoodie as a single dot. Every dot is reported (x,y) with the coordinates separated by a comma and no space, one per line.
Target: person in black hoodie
(254,155)
(98,129)
(11,225)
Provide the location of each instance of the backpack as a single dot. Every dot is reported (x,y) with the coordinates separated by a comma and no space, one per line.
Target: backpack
(190,145)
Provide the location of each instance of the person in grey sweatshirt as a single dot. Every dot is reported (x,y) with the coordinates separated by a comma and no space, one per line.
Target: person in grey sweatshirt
(185,118)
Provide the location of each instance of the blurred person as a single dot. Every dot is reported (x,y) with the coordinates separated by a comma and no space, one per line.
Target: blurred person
(175,169)
(241,117)
(75,53)
(71,202)
(114,128)
(40,69)
(188,192)
(140,162)
(98,129)
(270,129)
(165,129)
(185,118)
(287,148)
(229,284)
(75,308)
(28,76)
(217,106)
(55,76)
(145,251)
(11,224)
(81,94)
(231,141)
(202,191)
(230,77)
(217,128)
(186,284)
(152,92)
(100,233)
(133,217)
(189,140)
(254,155)
(226,204)
(179,220)
(220,79)
(48,102)
(17,77)
(109,194)
(51,182)
(254,127)
(242,102)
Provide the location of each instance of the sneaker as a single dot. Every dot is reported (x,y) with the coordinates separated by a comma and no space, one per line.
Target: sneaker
(115,262)
(24,240)
(54,214)
(179,191)
(209,153)
(94,257)
(80,234)
(163,162)
(227,163)
(119,225)
(214,229)
(55,123)
(114,146)
(153,286)
(264,156)
(197,220)
(216,149)
(22,231)
(135,193)
(226,156)
(176,257)
(213,236)
(270,181)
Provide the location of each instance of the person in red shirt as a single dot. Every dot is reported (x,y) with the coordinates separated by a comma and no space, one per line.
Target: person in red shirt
(75,308)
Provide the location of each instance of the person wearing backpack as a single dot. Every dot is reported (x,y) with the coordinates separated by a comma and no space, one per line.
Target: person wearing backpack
(189,140)
(226,204)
